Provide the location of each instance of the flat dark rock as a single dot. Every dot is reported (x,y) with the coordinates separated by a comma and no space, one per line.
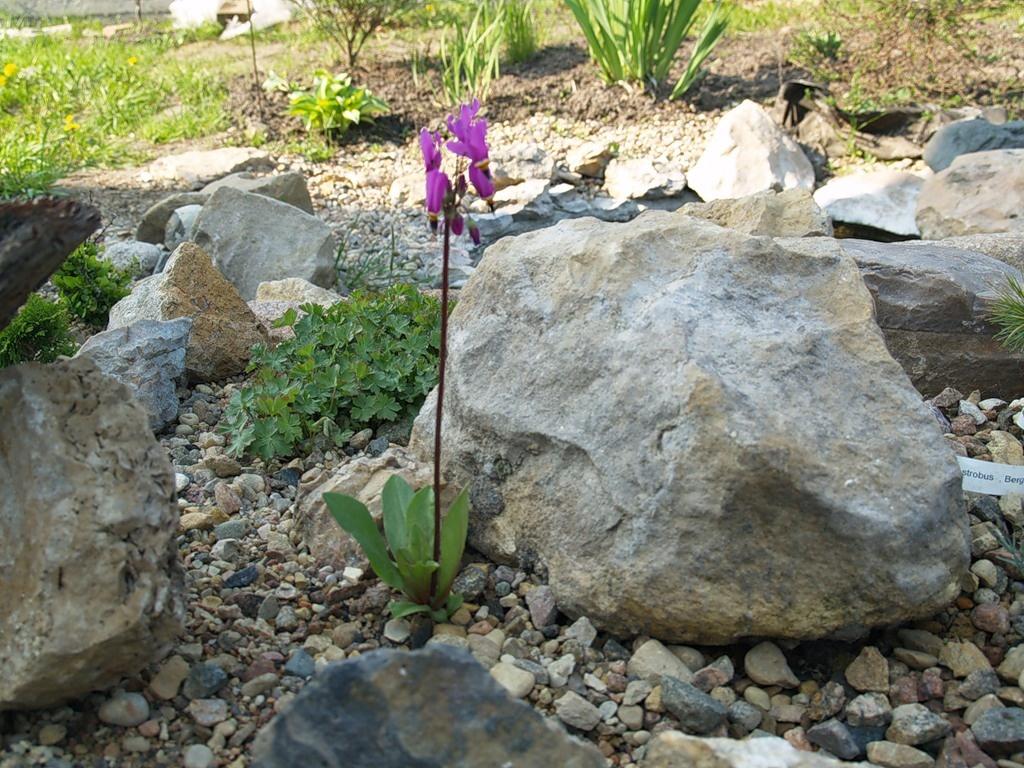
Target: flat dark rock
(432,708)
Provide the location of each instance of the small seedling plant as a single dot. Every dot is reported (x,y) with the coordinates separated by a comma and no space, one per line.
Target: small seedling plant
(332,105)
(420,550)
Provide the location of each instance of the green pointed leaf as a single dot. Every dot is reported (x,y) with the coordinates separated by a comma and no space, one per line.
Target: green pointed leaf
(395,500)
(439,616)
(400,608)
(355,518)
(416,575)
(453,542)
(453,603)
(419,524)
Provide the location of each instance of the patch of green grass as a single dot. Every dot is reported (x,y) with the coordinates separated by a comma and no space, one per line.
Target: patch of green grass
(68,102)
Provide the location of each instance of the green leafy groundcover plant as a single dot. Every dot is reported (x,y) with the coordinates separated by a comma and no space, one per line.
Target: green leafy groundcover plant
(637,40)
(89,287)
(360,363)
(38,333)
(332,105)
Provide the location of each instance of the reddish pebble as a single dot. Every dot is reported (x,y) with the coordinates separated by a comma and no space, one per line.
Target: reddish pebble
(616,683)
(150,729)
(963,425)
(964,603)
(798,738)
(991,618)
(903,691)
(994,654)
(257,668)
(932,685)
(480,628)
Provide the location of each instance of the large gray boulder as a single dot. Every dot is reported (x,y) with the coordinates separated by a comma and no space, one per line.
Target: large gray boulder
(137,257)
(1007,247)
(253,239)
(153,226)
(224,329)
(201,166)
(149,358)
(652,458)
(749,153)
(931,302)
(92,586)
(432,708)
(885,200)
(286,187)
(792,213)
(978,193)
(966,136)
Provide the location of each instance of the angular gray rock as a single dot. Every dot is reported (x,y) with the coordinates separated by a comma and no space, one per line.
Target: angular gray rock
(138,257)
(201,166)
(252,239)
(432,708)
(517,163)
(363,478)
(286,187)
(92,586)
(792,213)
(181,226)
(931,304)
(695,710)
(1007,247)
(977,193)
(149,358)
(966,136)
(885,200)
(672,749)
(589,159)
(692,330)
(749,153)
(1000,732)
(641,178)
(153,226)
(296,289)
(224,329)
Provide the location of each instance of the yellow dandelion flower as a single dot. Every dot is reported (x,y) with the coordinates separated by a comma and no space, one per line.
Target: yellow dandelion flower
(10,69)
(69,124)
(133,60)
(3,81)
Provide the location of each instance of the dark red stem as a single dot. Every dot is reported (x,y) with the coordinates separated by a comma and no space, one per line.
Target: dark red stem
(440,405)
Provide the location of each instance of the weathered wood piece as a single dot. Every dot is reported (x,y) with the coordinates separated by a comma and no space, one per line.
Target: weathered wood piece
(35,239)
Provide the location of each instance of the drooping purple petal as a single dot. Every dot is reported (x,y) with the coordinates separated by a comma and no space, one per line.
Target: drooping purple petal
(430,146)
(458,225)
(470,134)
(438,186)
(474,232)
(482,182)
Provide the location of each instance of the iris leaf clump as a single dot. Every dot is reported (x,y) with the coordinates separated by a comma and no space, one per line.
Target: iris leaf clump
(637,40)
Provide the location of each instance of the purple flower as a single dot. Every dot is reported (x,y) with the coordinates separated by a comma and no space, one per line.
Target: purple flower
(430,146)
(458,224)
(438,187)
(474,232)
(470,135)
(482,182)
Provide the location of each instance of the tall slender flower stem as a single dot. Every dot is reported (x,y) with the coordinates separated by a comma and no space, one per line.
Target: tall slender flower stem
(440,400)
